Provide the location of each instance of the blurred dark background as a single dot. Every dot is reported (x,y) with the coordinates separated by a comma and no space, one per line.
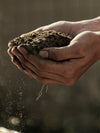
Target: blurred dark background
(63,109)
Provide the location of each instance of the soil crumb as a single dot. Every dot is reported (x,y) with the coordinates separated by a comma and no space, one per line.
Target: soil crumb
(35,41)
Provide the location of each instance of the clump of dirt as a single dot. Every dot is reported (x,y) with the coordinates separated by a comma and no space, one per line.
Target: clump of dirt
(35,41)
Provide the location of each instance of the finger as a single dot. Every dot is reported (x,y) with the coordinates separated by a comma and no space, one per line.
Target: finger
(52,67)
(15,52)
(65,80)
(9,52)
(42,73)
(20,67)
(15,58)
(17,63)
(71,51)
(32,74)
(39,72)
(42,79)
(47,79)
(41,64)
(21,58)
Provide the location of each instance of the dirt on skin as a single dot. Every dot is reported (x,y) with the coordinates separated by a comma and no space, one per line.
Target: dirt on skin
(35,41)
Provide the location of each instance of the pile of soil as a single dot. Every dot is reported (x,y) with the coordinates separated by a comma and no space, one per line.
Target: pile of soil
(35,41)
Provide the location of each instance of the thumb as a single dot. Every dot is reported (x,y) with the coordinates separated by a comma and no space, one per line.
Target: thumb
(61,53)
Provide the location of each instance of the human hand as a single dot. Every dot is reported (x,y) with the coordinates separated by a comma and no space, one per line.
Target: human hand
(69,28)
(66,27)
(70,61)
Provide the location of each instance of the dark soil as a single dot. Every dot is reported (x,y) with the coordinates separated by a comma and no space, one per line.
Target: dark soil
(35,41)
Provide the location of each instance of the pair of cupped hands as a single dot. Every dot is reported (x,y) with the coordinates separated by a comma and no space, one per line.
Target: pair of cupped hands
(63,65)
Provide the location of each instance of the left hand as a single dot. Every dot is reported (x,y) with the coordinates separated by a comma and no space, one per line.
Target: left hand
(83,51)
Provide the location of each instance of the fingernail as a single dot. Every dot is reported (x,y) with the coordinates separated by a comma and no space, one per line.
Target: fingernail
(43,53)
(22,49)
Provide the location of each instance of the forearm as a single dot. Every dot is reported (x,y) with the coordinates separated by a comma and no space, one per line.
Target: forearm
(93,24)
(85,25)
(97,40)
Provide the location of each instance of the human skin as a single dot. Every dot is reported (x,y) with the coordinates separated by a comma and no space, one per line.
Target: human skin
(63,65)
